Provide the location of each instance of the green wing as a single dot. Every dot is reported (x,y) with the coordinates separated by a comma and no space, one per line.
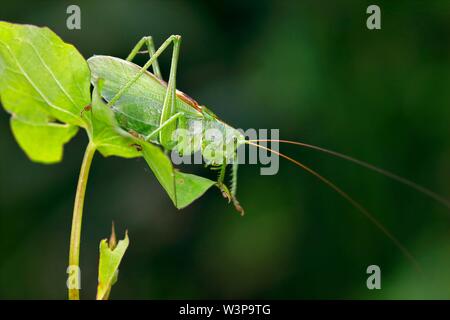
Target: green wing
(139,109)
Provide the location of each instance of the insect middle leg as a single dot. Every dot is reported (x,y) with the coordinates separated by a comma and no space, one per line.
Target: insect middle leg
(148,41)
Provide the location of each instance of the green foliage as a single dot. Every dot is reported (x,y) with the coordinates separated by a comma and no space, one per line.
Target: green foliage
(182,188)
(44,84)
(108,137)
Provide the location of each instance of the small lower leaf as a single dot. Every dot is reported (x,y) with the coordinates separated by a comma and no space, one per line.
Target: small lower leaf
(108,267)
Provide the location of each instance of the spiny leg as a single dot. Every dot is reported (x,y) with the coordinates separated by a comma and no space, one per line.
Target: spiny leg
(234,173)
(147,65)
(223,168)
(220,184)
(151,51)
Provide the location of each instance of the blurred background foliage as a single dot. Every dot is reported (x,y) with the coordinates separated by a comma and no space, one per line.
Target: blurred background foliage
(311,69)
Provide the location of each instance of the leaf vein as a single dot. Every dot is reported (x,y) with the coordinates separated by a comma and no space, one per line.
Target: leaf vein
(35,87)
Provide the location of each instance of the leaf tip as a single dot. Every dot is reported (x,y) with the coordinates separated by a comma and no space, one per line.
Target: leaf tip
(112,239)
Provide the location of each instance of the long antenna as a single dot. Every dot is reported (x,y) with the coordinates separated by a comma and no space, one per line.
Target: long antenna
(353,202)
(369,166)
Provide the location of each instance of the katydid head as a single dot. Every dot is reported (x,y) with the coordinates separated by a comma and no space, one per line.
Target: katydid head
(216,140)
(219,148)
(202,137)
(220,143)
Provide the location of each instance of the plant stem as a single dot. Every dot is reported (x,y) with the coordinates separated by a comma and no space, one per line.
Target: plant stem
(74,253)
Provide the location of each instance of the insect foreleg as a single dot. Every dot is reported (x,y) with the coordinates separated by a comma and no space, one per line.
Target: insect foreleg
(143,69)
(151,51)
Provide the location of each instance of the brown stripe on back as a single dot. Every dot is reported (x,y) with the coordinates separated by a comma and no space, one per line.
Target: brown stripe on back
(183,96)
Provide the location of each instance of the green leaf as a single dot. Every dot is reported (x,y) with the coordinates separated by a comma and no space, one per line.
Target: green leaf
(189,187)
(44,84)
(108,137)
(108,268)
(182,188)
(42,141)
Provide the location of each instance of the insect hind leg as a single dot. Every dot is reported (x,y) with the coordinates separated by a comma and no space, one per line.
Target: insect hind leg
(169,105)
(146,41)
(147,65)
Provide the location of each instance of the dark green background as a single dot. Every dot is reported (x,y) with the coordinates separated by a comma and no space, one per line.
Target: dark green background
(311,69)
